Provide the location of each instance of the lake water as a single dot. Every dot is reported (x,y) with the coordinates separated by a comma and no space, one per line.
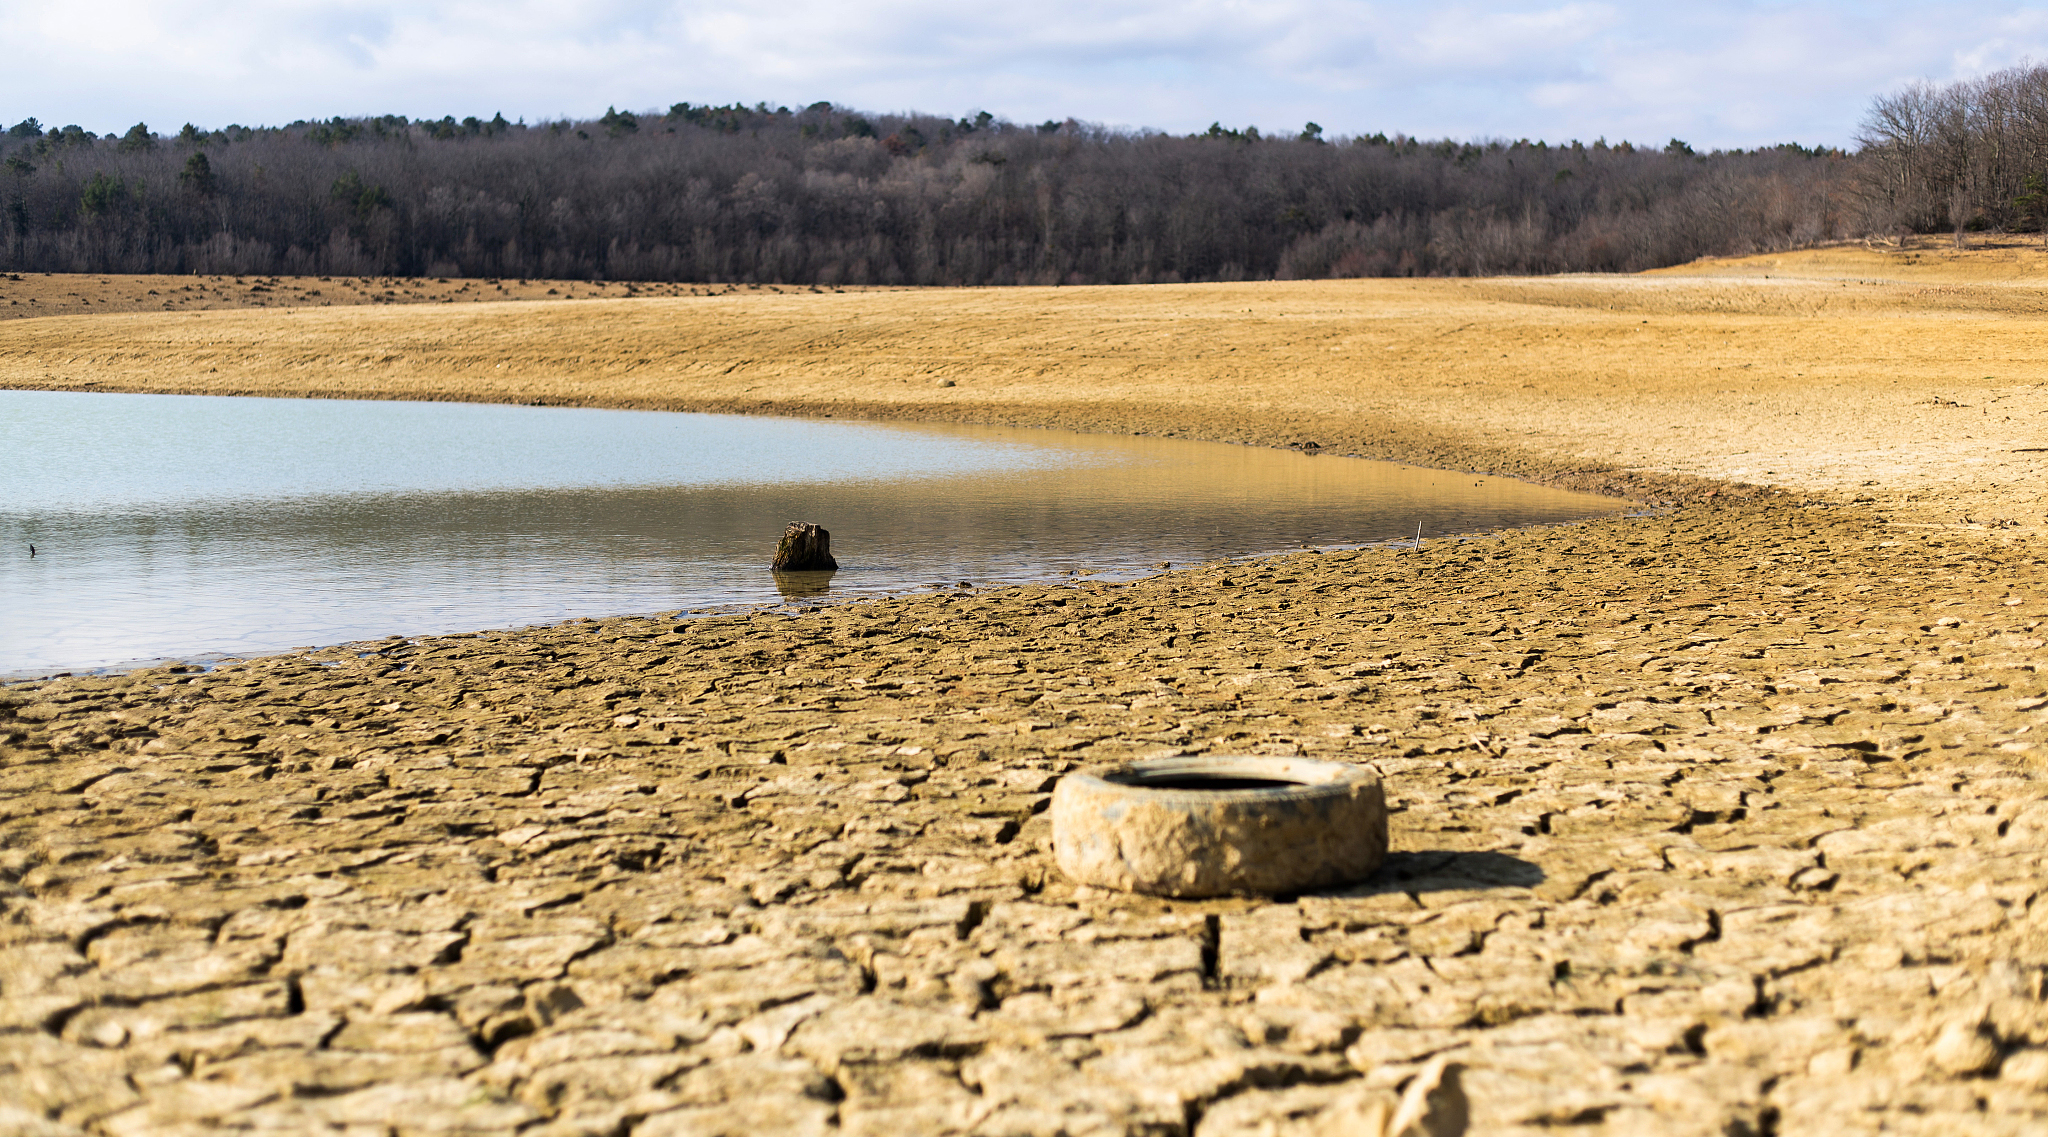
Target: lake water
(180,527)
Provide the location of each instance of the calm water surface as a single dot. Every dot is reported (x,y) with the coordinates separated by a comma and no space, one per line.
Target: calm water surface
(187,527)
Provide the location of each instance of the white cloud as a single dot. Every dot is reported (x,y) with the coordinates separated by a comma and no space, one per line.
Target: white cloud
(1469,41)
(1732,72)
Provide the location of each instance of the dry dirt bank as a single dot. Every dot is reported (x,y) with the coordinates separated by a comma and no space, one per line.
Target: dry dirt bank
(1725,820)
(24,295)
(1926,397)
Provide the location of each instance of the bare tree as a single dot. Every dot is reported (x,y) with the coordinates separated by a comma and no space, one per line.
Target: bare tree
(1960,156)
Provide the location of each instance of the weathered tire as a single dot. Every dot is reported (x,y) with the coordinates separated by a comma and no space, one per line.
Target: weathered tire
(1141,827)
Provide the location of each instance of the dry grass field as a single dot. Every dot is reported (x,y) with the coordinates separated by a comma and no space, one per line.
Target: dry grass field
(1722,818)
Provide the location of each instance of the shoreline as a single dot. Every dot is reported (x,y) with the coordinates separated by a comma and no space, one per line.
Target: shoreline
(1715,816)
(1652,387)
(1401,443)
(210,661)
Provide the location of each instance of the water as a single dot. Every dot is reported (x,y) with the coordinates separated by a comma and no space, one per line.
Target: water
(188,527)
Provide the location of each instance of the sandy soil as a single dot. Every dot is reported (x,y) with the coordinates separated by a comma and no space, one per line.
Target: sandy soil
(1721,819)
(34,294)
(1930,398)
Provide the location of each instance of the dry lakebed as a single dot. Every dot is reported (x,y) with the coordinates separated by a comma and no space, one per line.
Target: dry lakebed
(1722,817)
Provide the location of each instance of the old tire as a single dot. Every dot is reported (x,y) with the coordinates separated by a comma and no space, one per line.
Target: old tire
(1214,826)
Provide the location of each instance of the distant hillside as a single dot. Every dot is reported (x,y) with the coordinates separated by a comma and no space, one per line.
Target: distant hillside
(825,195)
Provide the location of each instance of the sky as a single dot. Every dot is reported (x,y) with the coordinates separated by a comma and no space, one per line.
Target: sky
(1716,73)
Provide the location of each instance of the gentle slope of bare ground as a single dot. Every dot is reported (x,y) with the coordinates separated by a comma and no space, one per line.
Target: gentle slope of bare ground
(1725,819)
(25,295)
(1922,391)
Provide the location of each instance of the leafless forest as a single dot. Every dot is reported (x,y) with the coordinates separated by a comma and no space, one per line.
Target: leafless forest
(1964,156)
(824,195)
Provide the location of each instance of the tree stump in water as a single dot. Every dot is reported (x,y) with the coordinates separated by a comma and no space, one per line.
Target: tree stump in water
(805,548)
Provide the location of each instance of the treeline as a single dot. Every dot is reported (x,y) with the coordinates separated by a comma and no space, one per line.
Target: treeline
(1964,156)
(825,195)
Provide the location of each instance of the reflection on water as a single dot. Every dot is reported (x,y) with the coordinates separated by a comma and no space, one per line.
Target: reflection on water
(803,585)
(178,526)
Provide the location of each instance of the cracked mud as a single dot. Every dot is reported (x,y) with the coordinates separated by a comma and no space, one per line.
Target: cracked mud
(1701,827)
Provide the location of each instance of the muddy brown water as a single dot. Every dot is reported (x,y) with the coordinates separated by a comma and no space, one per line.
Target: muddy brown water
(178,527)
